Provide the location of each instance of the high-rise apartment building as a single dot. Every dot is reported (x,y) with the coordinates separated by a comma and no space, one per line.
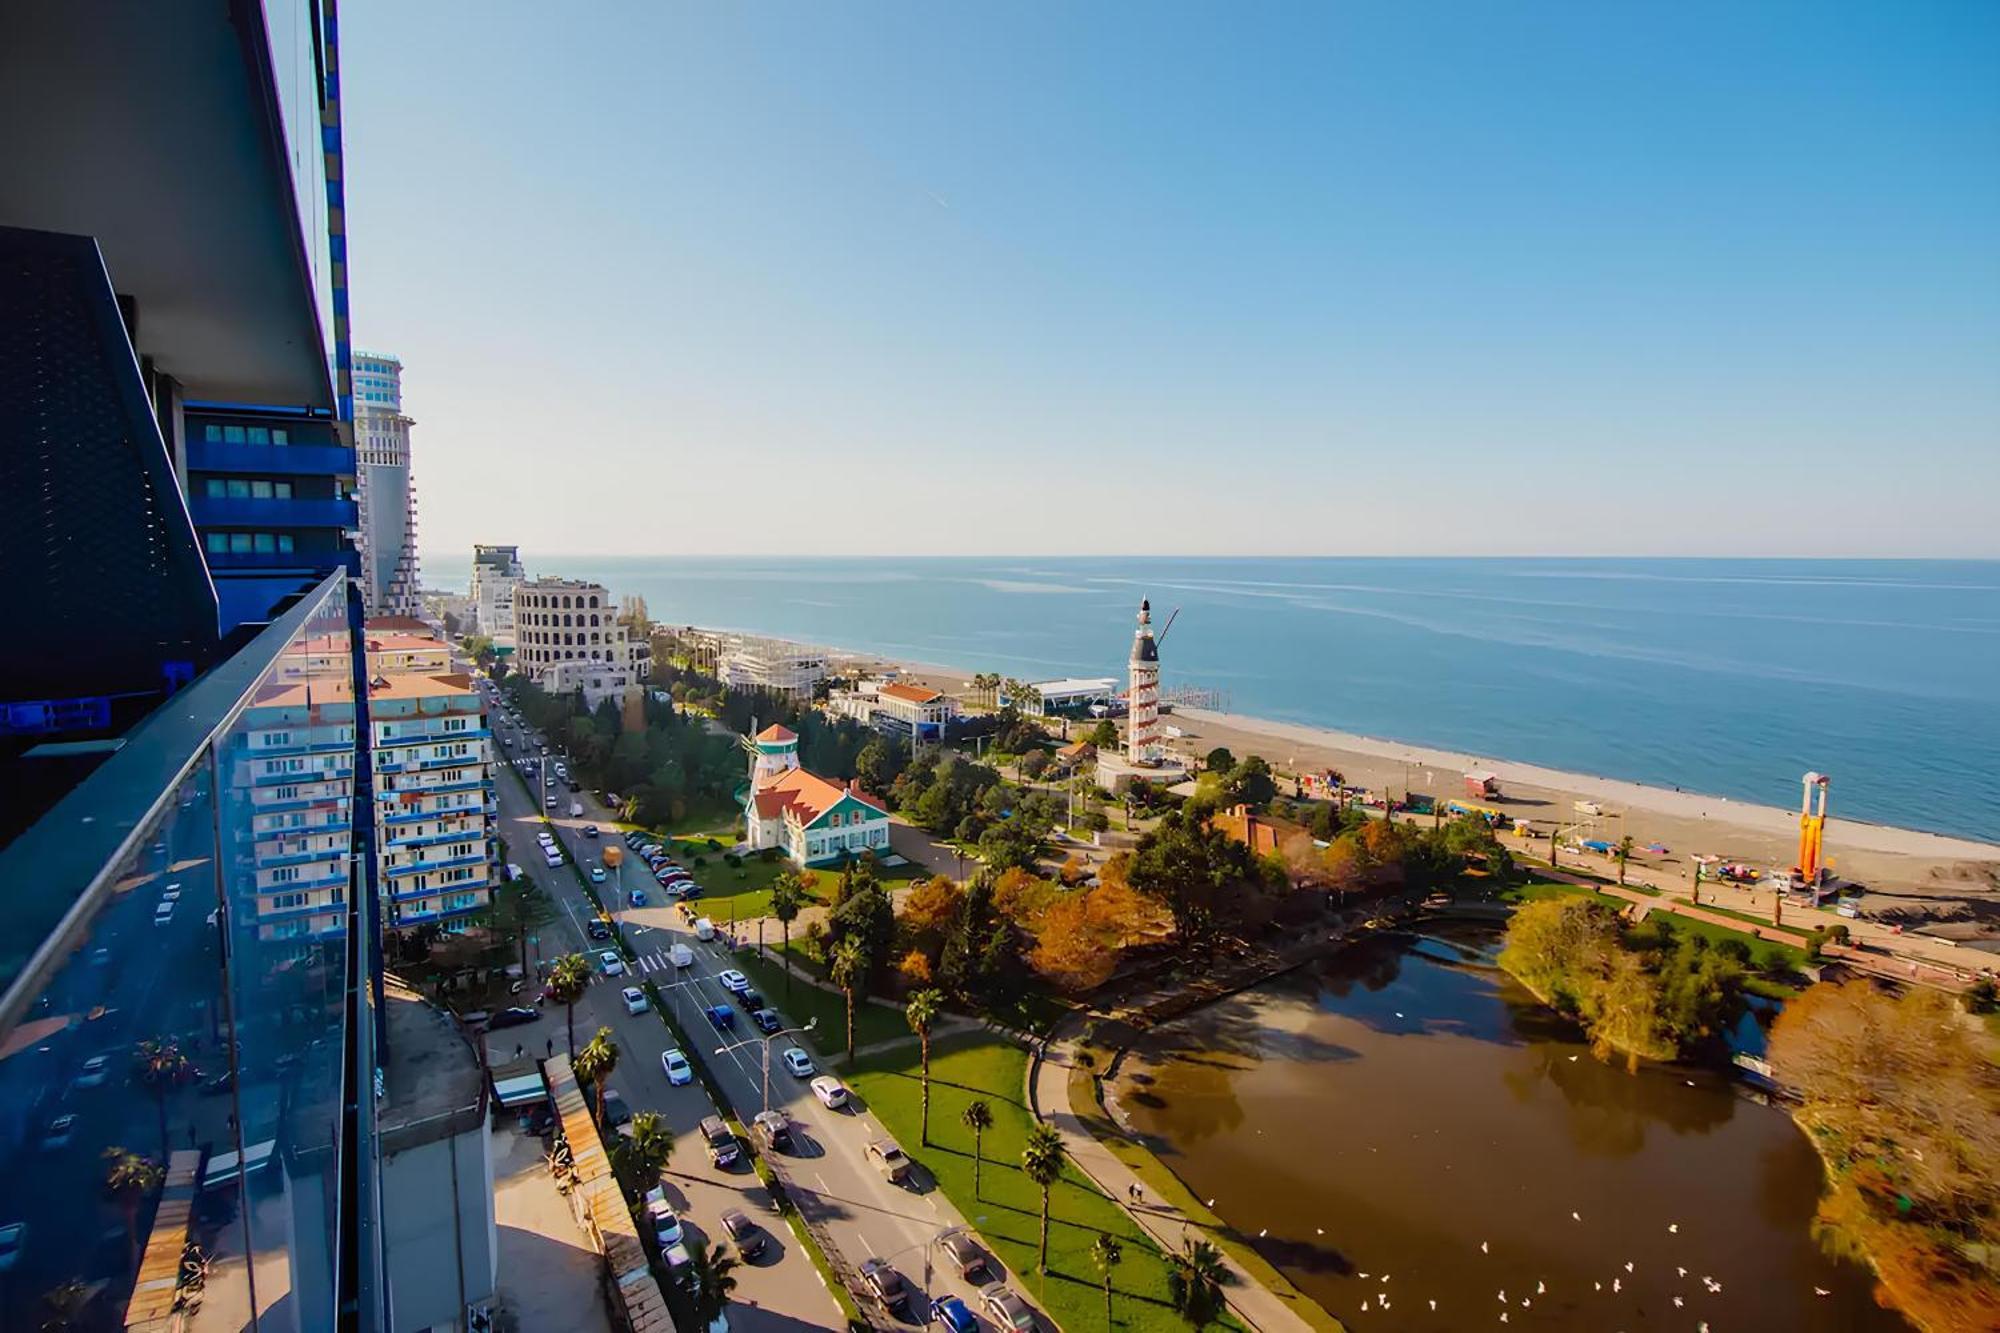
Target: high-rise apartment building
(387,495)
(191,969)
(568,637)
(496,572)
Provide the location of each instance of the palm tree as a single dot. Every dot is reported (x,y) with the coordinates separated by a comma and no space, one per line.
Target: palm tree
(788,897)
(1042,1162)
(921,1012)
(1194,1282)
(64,1304)
(1621,854)
(594,1064)
(849,967)
(639,1156)
(568,980)
(978,1118)
(714,1279)
(161,1066)
(129,1179)
(1109,1254)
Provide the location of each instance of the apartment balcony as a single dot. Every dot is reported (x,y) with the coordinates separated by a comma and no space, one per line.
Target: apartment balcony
(416,816)
(303,909)
(285,561)
(419,867)
(265,460)
(334,880)
(306,775)
(434,839)
(273,860)
(276,515)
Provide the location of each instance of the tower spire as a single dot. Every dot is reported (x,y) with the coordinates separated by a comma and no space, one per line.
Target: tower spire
(1142,736)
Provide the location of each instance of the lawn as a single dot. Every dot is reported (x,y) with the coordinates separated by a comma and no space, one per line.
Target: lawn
(1007,1210)
(872,1023)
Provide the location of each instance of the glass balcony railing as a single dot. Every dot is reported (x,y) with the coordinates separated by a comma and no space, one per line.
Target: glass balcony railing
(152,1099)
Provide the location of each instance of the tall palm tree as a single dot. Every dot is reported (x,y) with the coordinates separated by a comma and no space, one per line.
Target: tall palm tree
(1621,854)
(921,1011)
(568,980)
(978,1118)
(639,1157)
(129,1179)
(1109,1254)
(1194,1282)
(714,1279)
(63,1305)
(160,1064)
(1042,1162)
(594,1064)
(788,897)
(848,968)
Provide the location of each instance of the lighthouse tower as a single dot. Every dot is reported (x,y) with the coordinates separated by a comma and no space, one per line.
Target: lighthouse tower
(1142,737)
(773,752)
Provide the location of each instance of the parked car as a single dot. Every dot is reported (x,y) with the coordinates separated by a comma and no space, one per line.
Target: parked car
(60,1131)
(679,1072)
(954,1315)
(962,1252)
(666,1223)
(611,963)
(616,1113)
(773,1129)
(748,1236)
(732,980)
(722,1016)
(513,1018)
(635,1000)
(722,1146)
(797,1063)
(829,1091)
(598,929)
(1006,1309)
(12,1237)
(95,1070)
(890,1159)
(885,1284)
(767,1020)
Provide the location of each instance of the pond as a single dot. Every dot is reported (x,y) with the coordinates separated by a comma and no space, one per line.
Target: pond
(1419,1144)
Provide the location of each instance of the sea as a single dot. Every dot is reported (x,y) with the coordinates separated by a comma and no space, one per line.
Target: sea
(1725,676)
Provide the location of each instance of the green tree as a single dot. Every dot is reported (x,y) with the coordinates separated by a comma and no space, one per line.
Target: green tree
(921,1011)
(1042,1162)
(594,1064)
(848,968)
(714,1279)
(1195,1276)
(1104,735)
(977,1117)
(1622,853)
(788,897)
(1219,760)
(162,1067)
(569,979)
(640,1156)
(519,909)
(1108,1254)
(129,1180)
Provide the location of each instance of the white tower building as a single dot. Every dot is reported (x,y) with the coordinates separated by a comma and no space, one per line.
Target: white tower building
(388,498)
(1142,737)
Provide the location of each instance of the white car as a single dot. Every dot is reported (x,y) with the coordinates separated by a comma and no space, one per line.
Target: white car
(171,894)
(597,874)
(95,1070)
(613,965)
(666,1223)
(679,1071)
(733,981)
(635,1000)
(831,1095)
(798,1063)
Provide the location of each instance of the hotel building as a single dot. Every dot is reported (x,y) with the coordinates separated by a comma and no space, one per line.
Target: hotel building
(386,495)
(568,620)
(496,572)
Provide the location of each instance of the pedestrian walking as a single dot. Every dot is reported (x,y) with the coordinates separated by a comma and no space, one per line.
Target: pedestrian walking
(552,1048)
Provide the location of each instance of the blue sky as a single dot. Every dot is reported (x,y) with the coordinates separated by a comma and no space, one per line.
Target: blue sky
(1271,279)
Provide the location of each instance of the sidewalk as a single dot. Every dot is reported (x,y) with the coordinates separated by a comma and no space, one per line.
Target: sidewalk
(1252,1302)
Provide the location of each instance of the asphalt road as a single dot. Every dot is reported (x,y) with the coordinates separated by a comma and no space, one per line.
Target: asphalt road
(857,1210)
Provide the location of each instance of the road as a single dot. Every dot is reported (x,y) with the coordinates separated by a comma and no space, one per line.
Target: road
(859,1214)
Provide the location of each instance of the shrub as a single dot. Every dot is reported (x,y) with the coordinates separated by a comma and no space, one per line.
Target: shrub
(700,861)
(715,844)
(768,854)
(732,860)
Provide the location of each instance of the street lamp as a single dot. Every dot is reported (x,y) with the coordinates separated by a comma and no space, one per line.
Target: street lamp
(767,1040)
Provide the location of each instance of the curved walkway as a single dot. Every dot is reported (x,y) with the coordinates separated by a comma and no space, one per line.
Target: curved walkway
(1250,1300)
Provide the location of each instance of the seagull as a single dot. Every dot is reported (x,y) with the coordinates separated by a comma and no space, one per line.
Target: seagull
(1673,1228)
(1364,1277)
(1575,1216)
(1598,1286)
(1385,1277)
(1677,1302)
(1265,1232)
(1541,1288)
(1364,1307)
(1434,1305)
(1690,1083)
(1526,1301)
(1614,1285)
(1399,1013)
(1503,1316)
(1682,1271)
(1628,1265)
(1319,1231)
(1482,1247)
(1503,1298)
(1572,1059)
(1821,1291)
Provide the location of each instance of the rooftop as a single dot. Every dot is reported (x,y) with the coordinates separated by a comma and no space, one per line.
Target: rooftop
(806,795)
(433,1084)
(910,694)
(335,688)
(1075,685)
(774,732)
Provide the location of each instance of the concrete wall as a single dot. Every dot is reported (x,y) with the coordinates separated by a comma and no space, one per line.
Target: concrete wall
(430,1217)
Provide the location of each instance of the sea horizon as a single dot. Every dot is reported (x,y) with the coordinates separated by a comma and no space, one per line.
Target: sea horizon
(1726,675)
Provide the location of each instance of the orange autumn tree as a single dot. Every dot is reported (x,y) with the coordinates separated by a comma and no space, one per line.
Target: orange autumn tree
(1079,937)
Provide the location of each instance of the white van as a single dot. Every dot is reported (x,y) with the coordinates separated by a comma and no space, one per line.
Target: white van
(681,956)
(704,929)
(553,856)
(163,913)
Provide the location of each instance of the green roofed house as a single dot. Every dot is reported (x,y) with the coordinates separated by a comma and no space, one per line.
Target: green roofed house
(815,820)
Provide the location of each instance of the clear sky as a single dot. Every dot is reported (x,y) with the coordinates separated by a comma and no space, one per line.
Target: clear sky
(1206,278)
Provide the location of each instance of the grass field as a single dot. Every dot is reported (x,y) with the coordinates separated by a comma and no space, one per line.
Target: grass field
(1007,1208)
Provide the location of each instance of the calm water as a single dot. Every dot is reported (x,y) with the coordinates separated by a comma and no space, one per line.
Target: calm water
(1383,1117)
(1726,676)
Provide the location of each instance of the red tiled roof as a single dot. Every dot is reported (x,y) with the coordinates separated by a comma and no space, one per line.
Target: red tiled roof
(806,795)
(910,694)
(774,732)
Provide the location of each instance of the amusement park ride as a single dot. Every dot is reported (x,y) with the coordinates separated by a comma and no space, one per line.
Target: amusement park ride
(1812,827)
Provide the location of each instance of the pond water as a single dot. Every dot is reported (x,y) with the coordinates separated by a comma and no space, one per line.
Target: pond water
(1406,1122)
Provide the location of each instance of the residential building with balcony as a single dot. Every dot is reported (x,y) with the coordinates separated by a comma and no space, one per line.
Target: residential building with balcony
(386,493)
(436,807)
(496,572)
(568,620)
